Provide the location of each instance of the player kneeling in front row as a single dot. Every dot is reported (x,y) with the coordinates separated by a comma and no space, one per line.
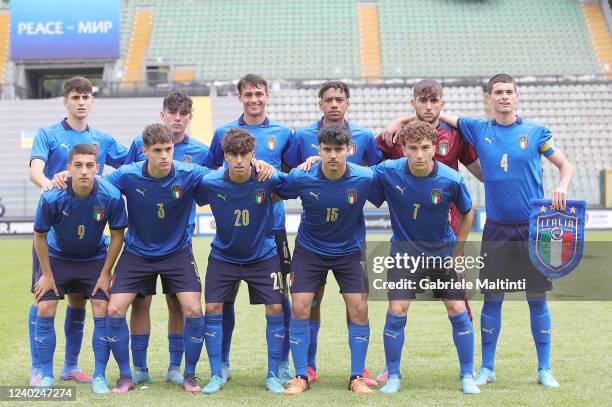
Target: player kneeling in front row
(243,248)
(331,235)
(427,189)
(75,256)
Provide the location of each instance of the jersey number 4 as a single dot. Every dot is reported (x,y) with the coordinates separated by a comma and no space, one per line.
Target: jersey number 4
(504,162)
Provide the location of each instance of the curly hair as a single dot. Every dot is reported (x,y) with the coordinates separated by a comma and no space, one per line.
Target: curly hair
(156,133)
(417,131)
(238,141)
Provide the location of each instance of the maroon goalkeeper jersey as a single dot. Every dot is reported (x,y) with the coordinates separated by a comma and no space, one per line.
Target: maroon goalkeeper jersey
(451,149)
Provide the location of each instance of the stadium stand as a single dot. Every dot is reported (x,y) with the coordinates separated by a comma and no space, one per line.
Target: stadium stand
(478,38)
(235,36)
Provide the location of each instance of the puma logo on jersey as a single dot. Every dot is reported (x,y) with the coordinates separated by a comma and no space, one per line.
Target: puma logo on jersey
(279,336)
(400,189)
(316,147)
(197,340)
(79,322)
(110,339)
(488,331)
(394,336)
(545,331)
(295,342)
(141,191)
(361,338)
(315,195)
(463,333)
(65,213)
(224,197)
(489,140)
(65,146)
(211,334)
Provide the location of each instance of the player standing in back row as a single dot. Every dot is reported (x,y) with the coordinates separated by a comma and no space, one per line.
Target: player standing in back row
(510,150)
(334,102)
(272,142)
(49,156)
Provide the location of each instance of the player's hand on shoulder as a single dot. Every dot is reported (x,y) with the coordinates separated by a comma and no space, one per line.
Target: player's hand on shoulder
(559,198)
(264,170)
(104,284)
(44,285)
(47,186)
(391,133)
(307,165)
(60,180)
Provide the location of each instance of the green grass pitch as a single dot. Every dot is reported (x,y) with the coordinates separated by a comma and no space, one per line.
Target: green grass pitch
(582,332)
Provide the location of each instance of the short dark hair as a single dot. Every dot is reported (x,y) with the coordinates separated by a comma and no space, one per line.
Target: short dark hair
(178,102)
(334,134)
(416,131)
(156,133)
(500,78)
(253,80)
(79,84)
(238,141)
(428,88)
(84,148)
(335,85)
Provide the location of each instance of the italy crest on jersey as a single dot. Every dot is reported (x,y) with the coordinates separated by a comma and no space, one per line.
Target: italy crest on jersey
(271,142)
(352,149)
(187,159)
(177,191)
(556,238)
(436,196)
(443,147)
(260,196)
(98,213)
(351,196)
(523,141)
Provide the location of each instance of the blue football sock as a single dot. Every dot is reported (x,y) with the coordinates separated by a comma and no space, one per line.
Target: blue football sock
(299,339)
(229,321)
(73,329)
(312,347)
(45,343)
(139,345)
(286,320)
(32,332)
(359,338)
(490,326)
(194,340)
(275,336)
(176,347)
(393,340)
(119,341)
(541,329)
(214,339)
(99,343)
(463,336)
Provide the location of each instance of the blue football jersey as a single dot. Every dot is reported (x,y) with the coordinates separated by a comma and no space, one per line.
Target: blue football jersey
(75,225)
(362,150)
(243,216)
(53,144)
(511,161)
(189,150)
(332,222)
(272,141)
(419,206)
(159,209)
